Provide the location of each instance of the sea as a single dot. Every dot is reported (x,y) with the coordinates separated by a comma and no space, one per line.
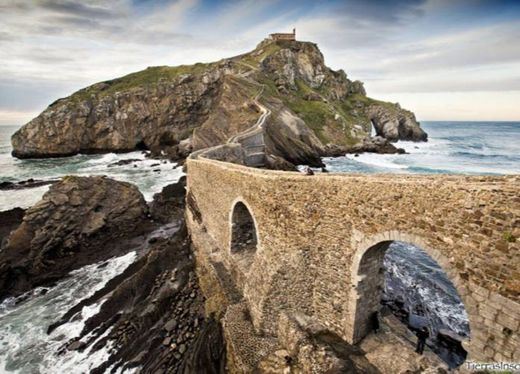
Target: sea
(412,277)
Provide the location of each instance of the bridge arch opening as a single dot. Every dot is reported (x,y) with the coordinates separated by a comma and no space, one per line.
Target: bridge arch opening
(244,238)
(402,282)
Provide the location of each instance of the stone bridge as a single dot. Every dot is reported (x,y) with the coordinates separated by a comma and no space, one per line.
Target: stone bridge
(283,243)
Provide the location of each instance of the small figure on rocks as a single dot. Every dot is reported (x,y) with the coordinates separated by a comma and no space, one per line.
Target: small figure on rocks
(308,171)
(374,319)
(422,335)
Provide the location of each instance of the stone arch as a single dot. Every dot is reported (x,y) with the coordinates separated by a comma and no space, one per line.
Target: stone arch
(243,234)
(367,259)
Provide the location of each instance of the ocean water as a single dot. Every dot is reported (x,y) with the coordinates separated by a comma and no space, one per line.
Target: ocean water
(416,284)
(484,148)
(411,276)
(25,346)
(149,175)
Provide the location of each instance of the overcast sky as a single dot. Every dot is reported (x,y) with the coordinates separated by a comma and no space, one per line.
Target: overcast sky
(442,59)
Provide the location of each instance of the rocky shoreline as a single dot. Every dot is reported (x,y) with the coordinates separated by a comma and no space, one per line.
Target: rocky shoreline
(153,313)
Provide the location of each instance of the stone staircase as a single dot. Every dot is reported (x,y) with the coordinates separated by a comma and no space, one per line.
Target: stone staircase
(252,139)
(254,147)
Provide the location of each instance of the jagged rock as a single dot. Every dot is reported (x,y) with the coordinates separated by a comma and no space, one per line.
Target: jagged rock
(76,346)
(74,224)
(288,137)
(376,144)
(29,183)
(394,123)
(279,163)
(9,220)
(121,115)
(124,162)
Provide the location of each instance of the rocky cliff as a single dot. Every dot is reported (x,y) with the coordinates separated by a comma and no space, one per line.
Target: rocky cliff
(80,220)
(174,110)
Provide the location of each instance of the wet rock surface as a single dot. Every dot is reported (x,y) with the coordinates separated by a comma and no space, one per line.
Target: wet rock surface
(154,316)
(9,220)
(80,220)
(169,203)
(29,183)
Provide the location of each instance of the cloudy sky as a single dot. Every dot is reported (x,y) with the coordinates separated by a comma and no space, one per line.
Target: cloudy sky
(443,59)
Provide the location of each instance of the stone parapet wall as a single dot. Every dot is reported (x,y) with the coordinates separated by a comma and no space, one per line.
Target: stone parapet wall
(314,231)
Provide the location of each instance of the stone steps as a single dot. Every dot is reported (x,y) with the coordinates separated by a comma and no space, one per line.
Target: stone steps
(255,149)
(255,159)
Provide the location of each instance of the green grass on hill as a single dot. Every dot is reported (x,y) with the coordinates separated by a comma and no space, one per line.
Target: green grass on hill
(143,78)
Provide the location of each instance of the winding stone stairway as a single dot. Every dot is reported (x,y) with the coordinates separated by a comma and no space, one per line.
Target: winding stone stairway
(252,139)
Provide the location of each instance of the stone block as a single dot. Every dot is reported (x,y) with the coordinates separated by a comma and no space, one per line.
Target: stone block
(507,321)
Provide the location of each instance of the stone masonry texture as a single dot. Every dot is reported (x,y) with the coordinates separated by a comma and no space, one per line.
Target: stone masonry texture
(321,240)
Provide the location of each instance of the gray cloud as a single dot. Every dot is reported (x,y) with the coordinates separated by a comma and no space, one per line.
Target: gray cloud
(78,9)
(389,12)
(51,48)
(5,36)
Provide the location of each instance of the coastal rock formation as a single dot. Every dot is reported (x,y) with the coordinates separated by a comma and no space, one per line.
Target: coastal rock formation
(157,107)
(375,144)
(393,123)
(152,314)
(176,110)
(74,224)
(168,205)
(372,144)
(287,136)
(304,62)
(10,219)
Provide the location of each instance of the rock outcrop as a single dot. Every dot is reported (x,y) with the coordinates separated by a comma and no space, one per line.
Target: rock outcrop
(9,220)
(394,123)
(78,221)
(176,110)
(375,144)
(158,107)
(152,314)
(372,144)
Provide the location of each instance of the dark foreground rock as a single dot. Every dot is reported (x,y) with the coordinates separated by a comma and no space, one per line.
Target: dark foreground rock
(29,183)
(9,220)
(79,221)
(169,203)
(155,313)
(152,314)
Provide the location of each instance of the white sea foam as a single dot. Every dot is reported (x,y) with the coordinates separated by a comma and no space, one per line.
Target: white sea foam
(384,161)
(25,347)
(21,198)
(149,175)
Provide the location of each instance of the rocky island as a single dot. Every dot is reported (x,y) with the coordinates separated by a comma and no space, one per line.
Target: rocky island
(314,111)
